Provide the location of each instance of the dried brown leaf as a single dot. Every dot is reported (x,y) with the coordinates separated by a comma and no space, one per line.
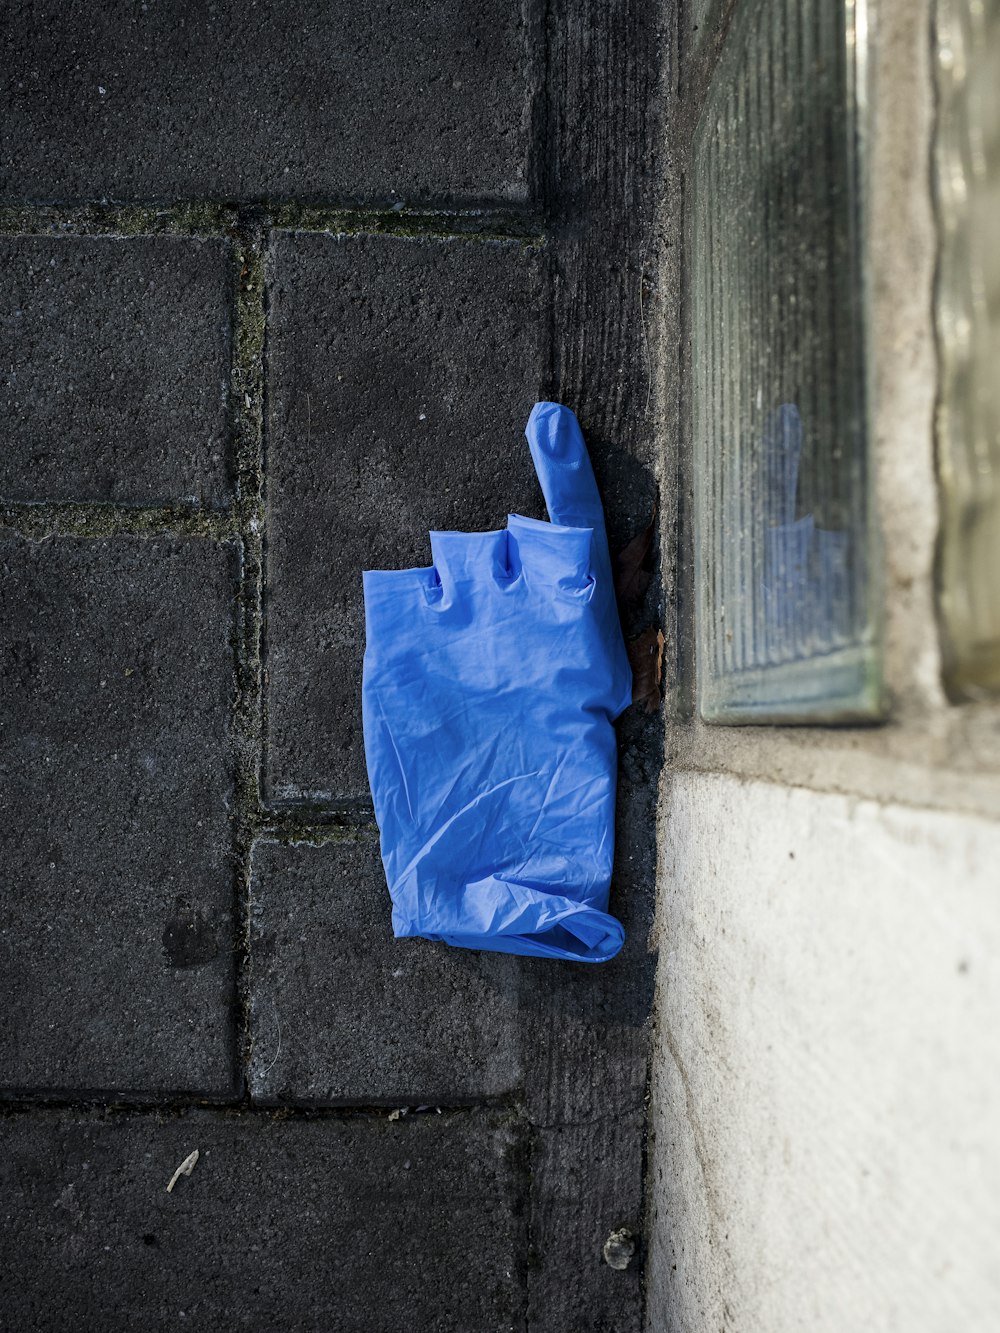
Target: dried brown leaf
(645,654)
(634,566)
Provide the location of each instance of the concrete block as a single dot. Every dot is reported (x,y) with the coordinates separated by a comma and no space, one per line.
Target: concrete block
(343,1012)
(355,1224)
(114,369)
(116,942)
(288,99)
(586,1183)
(400,377)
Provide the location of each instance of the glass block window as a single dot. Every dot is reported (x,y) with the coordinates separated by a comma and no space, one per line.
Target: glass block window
(701,15)
(968,322)
(783,561)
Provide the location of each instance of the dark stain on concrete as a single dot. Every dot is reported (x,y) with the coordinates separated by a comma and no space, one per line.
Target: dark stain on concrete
(189,939)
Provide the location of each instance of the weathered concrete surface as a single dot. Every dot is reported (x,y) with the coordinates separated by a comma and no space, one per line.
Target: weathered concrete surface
(400,377)
(399,374)
(357,1224)
(585,1088)
(114,369)
(343,1012)
(826,1152)
(280,99)
(587,1184)
(116,676)
(586,1092)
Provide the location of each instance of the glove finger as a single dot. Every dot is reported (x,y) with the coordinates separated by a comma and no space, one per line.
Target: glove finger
(563,466)
(469,557)
(567,478)
(549,552)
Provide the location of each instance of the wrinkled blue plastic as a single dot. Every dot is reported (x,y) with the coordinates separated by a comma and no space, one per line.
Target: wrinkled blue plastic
(491,681)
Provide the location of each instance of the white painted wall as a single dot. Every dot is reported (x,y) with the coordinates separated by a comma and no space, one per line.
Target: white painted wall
(826,1150)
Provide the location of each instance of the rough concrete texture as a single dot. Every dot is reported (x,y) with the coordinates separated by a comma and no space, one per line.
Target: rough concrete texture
(400,377)
(116,674)
(114,357)
(378,384)
(903,252)
(341,1011)
(357,1224)
(587,1185)
(168,100)
(825,1155)
(585,1085)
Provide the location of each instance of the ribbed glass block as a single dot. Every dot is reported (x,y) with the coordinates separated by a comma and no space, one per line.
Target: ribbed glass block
(783,560)
(701,14)
(968,322)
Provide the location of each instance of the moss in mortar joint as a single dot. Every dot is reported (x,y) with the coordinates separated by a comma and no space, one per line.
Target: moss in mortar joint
(408,224)
(80,519)
(303,831)
(115,1106)
(184,219)
(206,219)
(246,422)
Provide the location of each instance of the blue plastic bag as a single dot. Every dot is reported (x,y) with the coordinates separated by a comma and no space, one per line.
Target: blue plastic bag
(491,681)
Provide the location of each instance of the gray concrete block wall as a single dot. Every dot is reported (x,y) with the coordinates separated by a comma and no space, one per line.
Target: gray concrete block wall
(116,369)
(400,375)
(116,794)
(354,1223)
(411,103)
(341,1012)
(282,293)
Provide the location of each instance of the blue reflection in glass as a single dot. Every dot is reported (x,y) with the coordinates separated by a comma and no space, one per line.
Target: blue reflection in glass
(805,582)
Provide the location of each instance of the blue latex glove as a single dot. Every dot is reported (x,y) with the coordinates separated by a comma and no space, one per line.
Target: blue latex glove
(491,681)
